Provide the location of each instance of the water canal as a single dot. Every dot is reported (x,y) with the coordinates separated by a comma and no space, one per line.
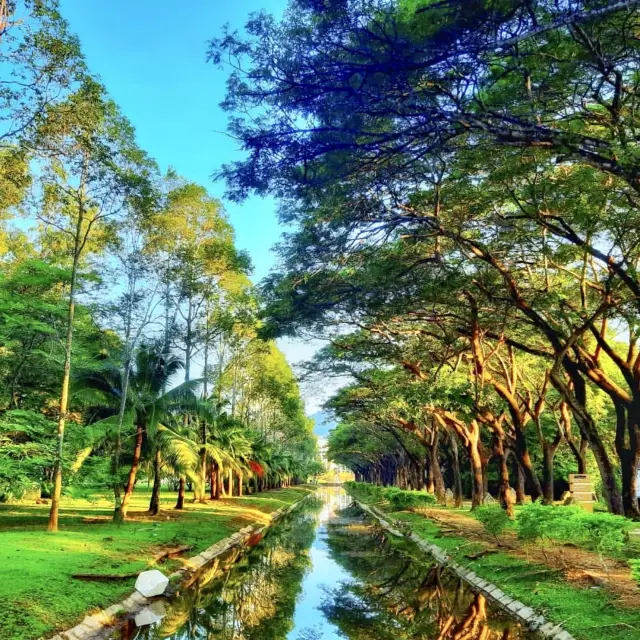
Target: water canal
(325,573)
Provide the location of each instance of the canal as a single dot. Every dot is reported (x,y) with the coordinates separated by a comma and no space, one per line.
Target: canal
(324,573)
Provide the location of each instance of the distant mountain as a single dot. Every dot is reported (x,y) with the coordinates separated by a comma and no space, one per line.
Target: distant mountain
(324,423)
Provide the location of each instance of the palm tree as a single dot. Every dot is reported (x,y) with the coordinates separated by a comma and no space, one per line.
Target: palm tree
(227,446)
(148,405)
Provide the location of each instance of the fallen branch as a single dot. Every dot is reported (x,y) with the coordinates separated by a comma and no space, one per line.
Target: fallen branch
(480,554)
(103,577)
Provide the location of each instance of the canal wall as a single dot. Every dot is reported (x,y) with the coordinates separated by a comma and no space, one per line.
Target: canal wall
(103,623)
(514,608)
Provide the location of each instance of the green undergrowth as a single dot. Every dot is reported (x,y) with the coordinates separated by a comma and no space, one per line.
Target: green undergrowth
(37,590)
(587,613)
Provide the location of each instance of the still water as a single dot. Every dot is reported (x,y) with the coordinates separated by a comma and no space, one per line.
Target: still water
(322,574)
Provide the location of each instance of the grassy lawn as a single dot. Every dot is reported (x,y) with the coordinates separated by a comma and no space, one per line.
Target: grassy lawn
(587,613)
(38,594)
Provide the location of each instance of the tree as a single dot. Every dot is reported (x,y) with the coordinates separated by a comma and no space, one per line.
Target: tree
(91,170)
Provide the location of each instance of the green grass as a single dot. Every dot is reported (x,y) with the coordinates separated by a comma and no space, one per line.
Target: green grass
(588,614)
(37,592)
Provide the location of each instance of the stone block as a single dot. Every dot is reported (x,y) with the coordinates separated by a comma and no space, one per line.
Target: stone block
(549,629)
(152,583)
(526,614)
(515,606)
(536,622)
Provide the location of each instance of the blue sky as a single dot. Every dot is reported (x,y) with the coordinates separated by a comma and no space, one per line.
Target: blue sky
(151,56)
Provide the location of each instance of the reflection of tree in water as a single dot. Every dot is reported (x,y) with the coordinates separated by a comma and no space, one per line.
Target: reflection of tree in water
(394,597)
(253,600)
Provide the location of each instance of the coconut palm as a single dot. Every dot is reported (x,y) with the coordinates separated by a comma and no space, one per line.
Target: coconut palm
(150,404)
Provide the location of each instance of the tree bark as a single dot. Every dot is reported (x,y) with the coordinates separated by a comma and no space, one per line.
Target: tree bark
(230,484)
(438,480)
(180,502)
(504,493)
(455,468)
(66,378)
(154,504)
(135,464)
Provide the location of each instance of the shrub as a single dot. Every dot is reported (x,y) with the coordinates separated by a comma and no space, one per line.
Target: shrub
(536,521)
(401,499)
(398,498)
(635,570)
(607,532)
(494,519)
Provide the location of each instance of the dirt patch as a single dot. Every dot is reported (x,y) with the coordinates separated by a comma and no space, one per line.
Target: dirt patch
(578,566)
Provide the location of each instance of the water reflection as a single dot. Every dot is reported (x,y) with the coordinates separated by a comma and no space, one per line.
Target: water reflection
(324,574)
(391,596)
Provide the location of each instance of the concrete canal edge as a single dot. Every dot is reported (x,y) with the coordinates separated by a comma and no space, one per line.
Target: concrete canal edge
(95,625)
(514,608)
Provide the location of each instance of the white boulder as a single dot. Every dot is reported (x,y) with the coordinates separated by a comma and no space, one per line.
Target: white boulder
(151,583)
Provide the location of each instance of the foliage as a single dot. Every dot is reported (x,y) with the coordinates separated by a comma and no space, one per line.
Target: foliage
(402,499)
(493,518)
(536,521)
(606,532)
(635,570)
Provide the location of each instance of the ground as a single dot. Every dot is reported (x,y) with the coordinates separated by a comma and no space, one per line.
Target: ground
(37,590)
(567,584)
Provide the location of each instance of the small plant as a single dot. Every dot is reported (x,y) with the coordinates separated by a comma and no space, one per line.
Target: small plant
(494,519)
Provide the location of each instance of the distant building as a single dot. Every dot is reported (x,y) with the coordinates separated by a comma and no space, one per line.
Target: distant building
(323,449)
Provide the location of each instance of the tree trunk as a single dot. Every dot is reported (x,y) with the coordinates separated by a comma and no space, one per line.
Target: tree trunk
(66,378)
(230,484)
(212,482)
(240,480)
(135,463)
(548,454)
(627,450)
(577,400)
(524,459)
(455,467)
(180,502)
(438,480)
(218,482)
(504,493)
(473,449)
(118,516)
(154,504)
(520,483)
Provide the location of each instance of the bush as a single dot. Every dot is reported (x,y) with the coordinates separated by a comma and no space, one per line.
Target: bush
(606,532)
(494,519)
(635,570)
(536,521)
(401,499)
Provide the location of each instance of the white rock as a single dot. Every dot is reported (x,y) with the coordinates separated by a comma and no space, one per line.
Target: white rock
(151,614)
(151,583)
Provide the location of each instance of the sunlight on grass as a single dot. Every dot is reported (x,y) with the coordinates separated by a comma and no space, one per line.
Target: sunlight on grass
(38,566)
